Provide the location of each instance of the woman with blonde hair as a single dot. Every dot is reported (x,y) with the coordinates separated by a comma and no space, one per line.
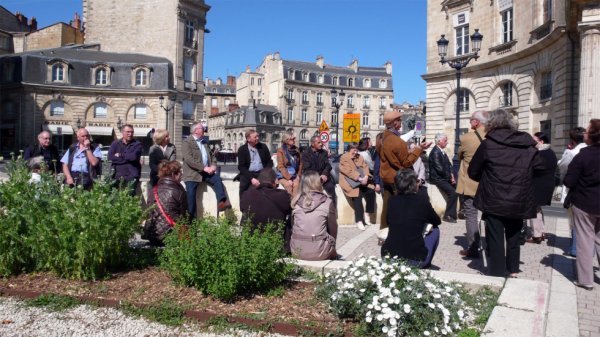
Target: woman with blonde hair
(289,165)
(314,229)
(161,150)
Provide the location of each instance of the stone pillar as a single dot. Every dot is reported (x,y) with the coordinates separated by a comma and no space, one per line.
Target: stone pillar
(589,84)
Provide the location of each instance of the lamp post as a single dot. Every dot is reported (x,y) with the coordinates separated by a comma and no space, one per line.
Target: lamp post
(337,99)
(169,107)
(458,63)
(119,123)
(78,123)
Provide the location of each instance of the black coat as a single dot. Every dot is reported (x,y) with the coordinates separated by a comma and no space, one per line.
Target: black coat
(50,154)
(504,166)
(583,179)
(317,162)
(440,168)
(243,155)
(406,217)
(254,207)
(543,184)
(173,200)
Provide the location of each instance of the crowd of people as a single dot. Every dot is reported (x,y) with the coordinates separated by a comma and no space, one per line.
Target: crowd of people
(505,175)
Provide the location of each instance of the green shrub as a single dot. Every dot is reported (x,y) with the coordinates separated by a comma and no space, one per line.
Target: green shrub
(71,232)
(210,256)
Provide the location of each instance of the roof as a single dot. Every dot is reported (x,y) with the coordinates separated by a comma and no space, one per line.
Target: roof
(313,67)
(83,53)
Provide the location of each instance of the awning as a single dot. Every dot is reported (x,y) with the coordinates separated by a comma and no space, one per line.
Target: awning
(100,130)
(141,132)
(58,129)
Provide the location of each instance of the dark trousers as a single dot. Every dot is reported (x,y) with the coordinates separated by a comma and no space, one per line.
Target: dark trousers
(432,241)
(329,187)
(497,229)
(130,184)
(191,188)
(245,183)
(451,197)
(83,179)
(369,195)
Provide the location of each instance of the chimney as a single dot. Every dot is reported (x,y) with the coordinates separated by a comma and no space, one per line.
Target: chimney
(233,106)
(33,24)
(388,67)
(76,23)
(219,81)
(320,61)
(354,65)
(277,56)
(231,80)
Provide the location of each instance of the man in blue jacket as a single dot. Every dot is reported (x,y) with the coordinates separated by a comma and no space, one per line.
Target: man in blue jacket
(125,155)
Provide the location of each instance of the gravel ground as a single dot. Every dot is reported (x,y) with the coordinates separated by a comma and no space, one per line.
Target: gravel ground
(17,319)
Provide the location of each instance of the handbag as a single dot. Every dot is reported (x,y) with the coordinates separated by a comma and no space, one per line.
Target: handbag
(353,183)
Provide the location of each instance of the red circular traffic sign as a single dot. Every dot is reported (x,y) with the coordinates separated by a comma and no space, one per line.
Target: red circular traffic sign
(324,136)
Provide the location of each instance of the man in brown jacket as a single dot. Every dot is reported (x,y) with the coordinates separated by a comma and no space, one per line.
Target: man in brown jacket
(467,187)
(394,155)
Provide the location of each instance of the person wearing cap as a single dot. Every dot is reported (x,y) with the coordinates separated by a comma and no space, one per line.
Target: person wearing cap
(394,155)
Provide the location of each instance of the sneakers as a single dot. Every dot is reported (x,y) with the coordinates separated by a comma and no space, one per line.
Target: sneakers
(584,286)
(367,218)
(360,226)
(533,239)
(223,205)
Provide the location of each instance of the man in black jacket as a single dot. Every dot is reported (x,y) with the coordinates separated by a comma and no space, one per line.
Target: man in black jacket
(440,174)
(46,149)
(315,159)
(252,158)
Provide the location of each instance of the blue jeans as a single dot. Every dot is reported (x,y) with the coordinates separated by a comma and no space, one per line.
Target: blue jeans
(191,188)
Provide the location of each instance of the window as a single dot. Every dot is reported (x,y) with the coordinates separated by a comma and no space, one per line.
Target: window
(365,120)
(463,98)
(305,77)
(367,83)
(350,101)
(334,98)
(304,134)
(228,91)
(319,117)
(350,82)
(334,117)
(290,94)
(381,120)
(260,81)
(214,90)
(101,76)
(251,80)
(188,109)
(189,32)
(546,85)
(336,80)
(57,108)
(188,69)
(227,102)
(366,102)
(214,102)
(100,110)
(290,115)
(141,78)
(319,98)
(382,84)
(58,73)
(305,97)
(462,40)
(382,102)
(320,79)
(140,111)
(304,116)
(506,98)
(507,25)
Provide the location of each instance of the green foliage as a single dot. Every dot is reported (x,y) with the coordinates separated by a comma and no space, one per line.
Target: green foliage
(222,262)
(54,302)
(483,302)
(71,232)
(164,312)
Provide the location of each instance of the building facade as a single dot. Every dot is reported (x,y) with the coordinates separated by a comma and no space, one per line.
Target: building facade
(302,95)
(220,98)
(538,59)
(172,29)
(63,89)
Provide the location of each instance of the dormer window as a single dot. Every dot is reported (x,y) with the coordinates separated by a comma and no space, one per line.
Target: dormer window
(382,84)
(141,78)
(336,80)
(141,75)
(350,82)
(367,83)
(58,71)
(101,75)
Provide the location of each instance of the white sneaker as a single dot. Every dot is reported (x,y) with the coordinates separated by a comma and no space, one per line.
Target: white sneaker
(367,218)
(360,226)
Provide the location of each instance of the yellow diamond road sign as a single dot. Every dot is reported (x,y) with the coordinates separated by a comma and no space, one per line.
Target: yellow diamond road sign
(323,126)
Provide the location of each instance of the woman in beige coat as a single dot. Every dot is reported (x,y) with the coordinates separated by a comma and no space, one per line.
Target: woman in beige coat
(354,181)
(289,165)
(314,229)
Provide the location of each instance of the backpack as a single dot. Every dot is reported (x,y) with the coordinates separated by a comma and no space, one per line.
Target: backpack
(93,171)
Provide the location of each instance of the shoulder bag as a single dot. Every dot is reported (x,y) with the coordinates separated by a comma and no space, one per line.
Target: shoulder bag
(162,211)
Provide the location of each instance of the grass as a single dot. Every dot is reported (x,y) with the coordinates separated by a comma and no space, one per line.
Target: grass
(54,302)
(165,312)
(483,301)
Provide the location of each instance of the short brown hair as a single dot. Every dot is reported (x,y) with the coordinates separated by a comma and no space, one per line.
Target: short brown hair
(168,168)
(594,131)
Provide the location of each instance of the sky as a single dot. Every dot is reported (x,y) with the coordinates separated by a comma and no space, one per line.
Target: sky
(243,32)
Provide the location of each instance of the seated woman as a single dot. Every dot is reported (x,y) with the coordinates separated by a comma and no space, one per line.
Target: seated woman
(408,214)
(314,229)
(170,202)
(289,165)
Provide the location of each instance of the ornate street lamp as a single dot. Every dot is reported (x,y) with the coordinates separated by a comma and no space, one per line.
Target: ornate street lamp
(170,106)
(458,63)
(78,124)
(119,124)
(337,100)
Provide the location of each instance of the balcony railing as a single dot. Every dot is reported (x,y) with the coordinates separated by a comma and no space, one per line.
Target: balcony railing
(366,106)
(319,103)
(304,122)
(505,101)
(546,91)
(304,102)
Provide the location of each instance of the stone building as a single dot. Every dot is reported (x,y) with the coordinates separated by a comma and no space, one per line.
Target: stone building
(220,98)
(172,29)
(301,93)
(62,89)
(538,59)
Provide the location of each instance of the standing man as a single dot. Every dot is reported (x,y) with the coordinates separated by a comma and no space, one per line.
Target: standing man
(440,174)
(81,162)
(125,155)
(252,158)
(316,159)
(46,149)
(394,155)
(466,187)
(198,166)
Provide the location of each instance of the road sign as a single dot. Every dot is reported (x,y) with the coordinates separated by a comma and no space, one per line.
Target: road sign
(333,144)
(324,136)
(351,128)
(323,126)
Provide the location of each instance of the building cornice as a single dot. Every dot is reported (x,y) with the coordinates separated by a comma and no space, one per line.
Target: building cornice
(95,90)
(548,40)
